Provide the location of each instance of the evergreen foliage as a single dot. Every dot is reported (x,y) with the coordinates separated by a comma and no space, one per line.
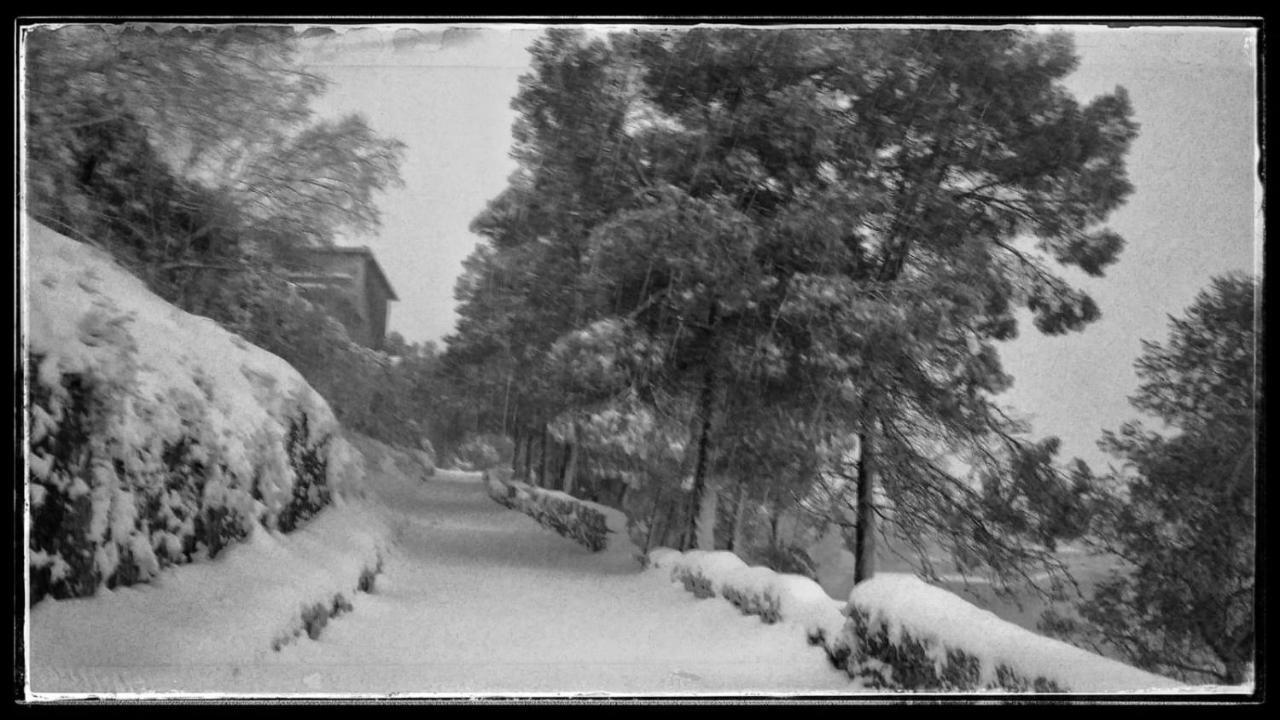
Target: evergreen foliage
(726,252)
(1180,512)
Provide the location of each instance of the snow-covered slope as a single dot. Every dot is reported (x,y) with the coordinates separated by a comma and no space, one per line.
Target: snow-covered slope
(156,436)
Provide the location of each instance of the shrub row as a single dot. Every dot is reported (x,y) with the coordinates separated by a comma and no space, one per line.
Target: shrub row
(111,508)
(313,618)
(565,514)
(869,639)
(903,633)
(901,661)
(759,591)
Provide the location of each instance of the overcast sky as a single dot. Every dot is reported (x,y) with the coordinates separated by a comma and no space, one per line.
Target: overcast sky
(1195,211)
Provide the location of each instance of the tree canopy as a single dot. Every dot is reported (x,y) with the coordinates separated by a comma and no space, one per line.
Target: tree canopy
(817,232)
(191,151)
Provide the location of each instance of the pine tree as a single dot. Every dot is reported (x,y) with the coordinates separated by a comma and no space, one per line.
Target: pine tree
(1180,513)
(823,232)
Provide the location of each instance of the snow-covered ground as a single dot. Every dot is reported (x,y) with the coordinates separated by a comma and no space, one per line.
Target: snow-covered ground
(473,599)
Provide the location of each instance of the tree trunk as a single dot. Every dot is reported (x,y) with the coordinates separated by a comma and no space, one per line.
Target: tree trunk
(571,470)
(865,560)
(506,398)
(653,520)
(739,510)
(565,452)
(528,452)
(515,454)
(766,503)
(673,526)
(706,533)
(542,470)
(706,401)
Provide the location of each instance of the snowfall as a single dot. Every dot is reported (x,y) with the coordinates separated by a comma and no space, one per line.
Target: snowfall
(472,599)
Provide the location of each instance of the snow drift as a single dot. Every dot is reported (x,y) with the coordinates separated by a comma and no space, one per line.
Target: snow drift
(156,436)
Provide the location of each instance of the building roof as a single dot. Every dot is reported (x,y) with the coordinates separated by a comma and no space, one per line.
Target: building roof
(368,254)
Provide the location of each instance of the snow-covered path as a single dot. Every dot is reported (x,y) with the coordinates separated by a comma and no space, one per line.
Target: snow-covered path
(479,599)
(482,599)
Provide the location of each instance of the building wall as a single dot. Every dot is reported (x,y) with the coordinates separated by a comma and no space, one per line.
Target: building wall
(377,303)
(369,328)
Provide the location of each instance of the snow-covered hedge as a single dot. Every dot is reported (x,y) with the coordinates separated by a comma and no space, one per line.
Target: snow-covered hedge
(898,632)
(775,597)
(483,452)
(156,436)
(313,617)
(583,522)
(903,633)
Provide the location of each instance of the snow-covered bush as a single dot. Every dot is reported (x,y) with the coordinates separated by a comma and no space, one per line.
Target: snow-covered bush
(774,597)
(898,632)
(480,452)
(500,491)
(908,663)
(903,633)
(314,618)
(310,485)
(580,521)
(751,594)
(154,435)
(369,576)
(702,572)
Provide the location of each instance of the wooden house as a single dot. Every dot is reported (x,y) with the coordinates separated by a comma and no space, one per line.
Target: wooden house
(350,284)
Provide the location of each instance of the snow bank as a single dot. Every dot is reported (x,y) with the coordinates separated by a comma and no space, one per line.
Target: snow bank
(904,633)
(155,435)
(587,523)
(217,616)
(775,597)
